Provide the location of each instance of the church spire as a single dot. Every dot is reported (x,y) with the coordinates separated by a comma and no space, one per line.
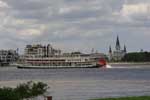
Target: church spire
(118,44)
(110,50)
(125,49)
(110,53)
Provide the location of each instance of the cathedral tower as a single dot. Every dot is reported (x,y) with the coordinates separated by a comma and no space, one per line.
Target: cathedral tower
(118,48)
(110,53)
(125,49)
(118,53)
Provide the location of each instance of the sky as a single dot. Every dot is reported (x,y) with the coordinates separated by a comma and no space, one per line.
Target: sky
(75,25)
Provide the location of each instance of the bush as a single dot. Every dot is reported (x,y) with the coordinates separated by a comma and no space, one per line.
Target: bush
(8,94)
(22,91)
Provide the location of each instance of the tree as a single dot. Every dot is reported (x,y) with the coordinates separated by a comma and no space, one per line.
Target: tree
(8,94)
(23,91)
(137,57)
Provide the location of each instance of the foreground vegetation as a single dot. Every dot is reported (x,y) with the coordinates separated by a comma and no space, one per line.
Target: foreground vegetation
(127,98)
(23,91)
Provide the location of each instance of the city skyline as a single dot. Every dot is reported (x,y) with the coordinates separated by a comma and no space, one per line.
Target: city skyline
(75,25)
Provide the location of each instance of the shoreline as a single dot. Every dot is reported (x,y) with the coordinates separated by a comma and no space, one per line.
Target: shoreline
(114,64)
(128,63)
(126,98)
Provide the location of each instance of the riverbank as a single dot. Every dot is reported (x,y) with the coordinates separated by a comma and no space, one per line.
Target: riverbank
(127,98)
(128,63)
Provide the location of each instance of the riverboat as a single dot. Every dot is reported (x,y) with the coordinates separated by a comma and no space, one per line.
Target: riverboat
(72,61)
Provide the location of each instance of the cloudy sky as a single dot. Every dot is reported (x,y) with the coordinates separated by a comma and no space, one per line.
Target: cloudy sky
(76,25)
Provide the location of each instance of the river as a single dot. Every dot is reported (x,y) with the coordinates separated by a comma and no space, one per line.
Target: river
(84,83)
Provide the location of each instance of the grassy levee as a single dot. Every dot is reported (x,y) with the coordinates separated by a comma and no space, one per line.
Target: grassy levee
(127,98)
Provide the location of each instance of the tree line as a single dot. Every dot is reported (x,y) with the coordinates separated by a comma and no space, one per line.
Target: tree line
(137,57)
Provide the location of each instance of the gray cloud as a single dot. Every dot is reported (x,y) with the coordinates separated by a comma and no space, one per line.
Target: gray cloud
(75,24)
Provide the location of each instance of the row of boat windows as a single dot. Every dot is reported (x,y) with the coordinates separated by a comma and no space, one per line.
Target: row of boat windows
(79,60)
(46,60)
(60,64)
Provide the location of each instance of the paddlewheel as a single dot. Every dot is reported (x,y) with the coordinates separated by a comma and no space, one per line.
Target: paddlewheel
(102,62)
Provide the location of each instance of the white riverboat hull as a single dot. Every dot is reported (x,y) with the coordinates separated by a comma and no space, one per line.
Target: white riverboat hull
(55,67)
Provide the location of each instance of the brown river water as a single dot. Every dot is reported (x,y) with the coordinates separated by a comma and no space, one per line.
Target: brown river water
(84,83)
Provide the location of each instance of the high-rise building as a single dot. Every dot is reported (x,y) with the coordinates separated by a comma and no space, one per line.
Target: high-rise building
(39,50)
(8,56)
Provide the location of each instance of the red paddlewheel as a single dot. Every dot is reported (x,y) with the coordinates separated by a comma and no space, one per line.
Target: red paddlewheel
(102,62)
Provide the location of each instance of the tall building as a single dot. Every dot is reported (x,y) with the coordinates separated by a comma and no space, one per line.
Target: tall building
(8,56)
(118,53)
(39,50)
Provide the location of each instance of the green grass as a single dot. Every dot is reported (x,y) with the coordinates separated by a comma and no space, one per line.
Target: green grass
(127,98)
